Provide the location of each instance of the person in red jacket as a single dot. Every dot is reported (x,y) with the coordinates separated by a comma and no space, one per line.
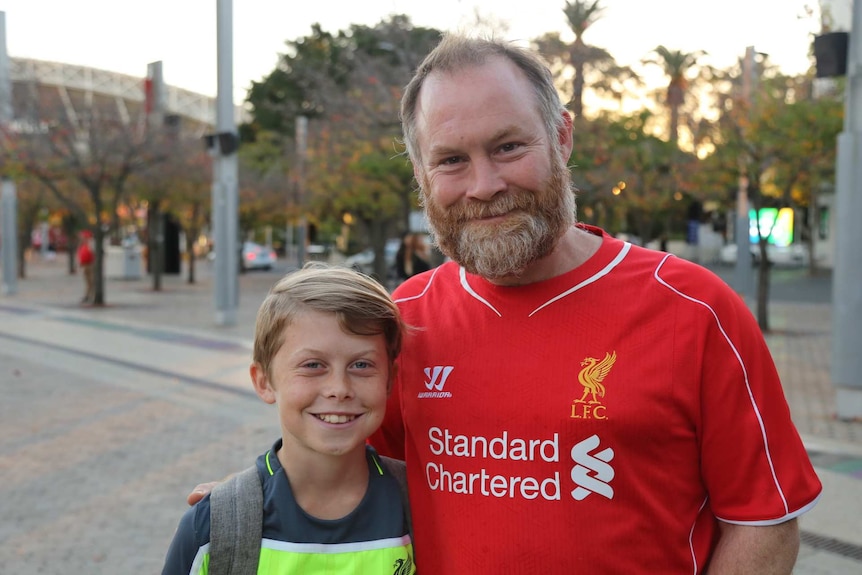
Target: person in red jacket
(86,260)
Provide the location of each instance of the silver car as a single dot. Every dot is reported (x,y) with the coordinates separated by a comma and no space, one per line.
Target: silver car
(364,261)
(257,257)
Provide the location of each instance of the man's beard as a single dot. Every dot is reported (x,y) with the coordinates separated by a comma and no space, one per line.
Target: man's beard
(534,223)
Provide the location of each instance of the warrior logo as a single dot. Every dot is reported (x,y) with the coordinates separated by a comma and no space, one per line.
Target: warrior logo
(435,379)
(433,374)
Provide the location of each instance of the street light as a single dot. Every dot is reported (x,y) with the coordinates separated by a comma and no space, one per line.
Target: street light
(225,223)
(847,275)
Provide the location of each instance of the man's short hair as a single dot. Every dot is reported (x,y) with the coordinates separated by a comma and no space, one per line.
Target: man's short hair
(456,52)
(361,305)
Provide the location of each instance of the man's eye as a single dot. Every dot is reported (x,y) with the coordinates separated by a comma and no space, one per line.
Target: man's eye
(311,364)
(361,364)
(451,161)
(511,146)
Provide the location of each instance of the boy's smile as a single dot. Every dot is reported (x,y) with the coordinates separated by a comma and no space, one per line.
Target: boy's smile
(330,386)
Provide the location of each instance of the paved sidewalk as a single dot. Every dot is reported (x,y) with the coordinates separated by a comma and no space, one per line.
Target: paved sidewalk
(108,412)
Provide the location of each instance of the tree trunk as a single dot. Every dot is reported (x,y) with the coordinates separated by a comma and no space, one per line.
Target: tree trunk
(577,103)
(23,244)
(156,243)
(193,232)
(813,230)
(98,251)
(116,236)
(70,256)
(70,228)
(763,272)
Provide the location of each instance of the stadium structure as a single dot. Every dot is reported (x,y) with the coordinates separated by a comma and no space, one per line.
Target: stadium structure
(41,88)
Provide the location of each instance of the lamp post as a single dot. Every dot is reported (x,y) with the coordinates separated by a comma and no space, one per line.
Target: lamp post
(301,143)
(743,274)
(223,146)
(8,200)
(847,274)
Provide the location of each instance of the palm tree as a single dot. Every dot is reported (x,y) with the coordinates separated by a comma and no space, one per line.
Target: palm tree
(676,65)
(581,15)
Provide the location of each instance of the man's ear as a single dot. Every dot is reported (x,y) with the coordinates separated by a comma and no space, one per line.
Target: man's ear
(261,383)
(564,136)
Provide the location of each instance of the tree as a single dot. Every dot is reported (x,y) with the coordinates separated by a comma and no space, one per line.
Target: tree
(579,58)
(783,144)
(94,147)
(676,66)
(348,84)
(180,185)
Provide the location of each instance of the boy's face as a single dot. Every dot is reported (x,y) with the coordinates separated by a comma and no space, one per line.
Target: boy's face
(330,386)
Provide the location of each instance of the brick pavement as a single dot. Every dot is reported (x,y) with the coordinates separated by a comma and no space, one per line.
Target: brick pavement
(97,455)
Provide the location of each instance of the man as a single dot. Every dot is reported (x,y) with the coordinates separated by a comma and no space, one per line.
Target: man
(570,403)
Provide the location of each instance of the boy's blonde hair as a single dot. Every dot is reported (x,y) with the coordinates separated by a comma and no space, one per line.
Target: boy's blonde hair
(361,305)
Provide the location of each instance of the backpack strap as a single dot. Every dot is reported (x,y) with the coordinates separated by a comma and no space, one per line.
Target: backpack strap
(399,471)
(236,524)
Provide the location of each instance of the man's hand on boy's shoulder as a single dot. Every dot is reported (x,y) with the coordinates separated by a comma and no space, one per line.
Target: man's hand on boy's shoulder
(202,489)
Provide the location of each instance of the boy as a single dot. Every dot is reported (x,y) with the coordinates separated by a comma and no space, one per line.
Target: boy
(326,340)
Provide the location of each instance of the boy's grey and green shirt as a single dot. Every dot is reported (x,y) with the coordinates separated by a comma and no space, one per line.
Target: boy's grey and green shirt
(374,538)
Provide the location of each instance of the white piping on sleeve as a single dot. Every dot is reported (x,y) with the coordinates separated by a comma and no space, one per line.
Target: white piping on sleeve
(691,537)
(778,520)
(744,374)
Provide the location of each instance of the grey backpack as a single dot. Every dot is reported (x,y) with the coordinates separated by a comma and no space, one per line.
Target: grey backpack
(236,519)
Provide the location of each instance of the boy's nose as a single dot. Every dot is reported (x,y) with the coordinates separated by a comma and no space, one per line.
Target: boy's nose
(338,386)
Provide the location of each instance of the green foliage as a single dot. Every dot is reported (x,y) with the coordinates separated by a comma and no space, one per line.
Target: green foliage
(348,84)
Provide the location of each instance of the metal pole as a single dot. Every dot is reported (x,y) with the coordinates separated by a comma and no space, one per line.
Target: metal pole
(225,206)
(847,275)
(743,274)
(8,200)
(5,78)
(301,141)
(8,224)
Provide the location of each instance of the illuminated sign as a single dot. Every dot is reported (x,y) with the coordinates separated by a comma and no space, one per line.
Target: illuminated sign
(775,224)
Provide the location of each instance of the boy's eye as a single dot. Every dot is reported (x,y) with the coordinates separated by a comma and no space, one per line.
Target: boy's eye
(312,364)
(361,364)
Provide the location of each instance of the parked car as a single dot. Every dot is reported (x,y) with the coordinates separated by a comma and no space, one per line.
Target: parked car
(257,257)
(789,256)
(364,261)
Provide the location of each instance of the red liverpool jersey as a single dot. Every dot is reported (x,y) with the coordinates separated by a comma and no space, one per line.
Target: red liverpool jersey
(598,422)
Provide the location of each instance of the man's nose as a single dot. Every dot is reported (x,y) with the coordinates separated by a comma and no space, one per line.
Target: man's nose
(486,180)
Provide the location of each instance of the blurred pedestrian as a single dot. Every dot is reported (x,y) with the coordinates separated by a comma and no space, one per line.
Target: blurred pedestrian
(86,260)
(412,257)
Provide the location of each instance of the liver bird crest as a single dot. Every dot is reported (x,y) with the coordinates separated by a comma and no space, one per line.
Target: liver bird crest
(592,375)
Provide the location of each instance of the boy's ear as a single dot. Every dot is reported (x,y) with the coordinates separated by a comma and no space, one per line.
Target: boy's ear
(261,383)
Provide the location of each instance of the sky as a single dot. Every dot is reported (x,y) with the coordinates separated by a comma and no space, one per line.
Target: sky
(124,36)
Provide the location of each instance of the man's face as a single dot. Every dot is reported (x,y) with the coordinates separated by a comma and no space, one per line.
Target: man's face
(497,195)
